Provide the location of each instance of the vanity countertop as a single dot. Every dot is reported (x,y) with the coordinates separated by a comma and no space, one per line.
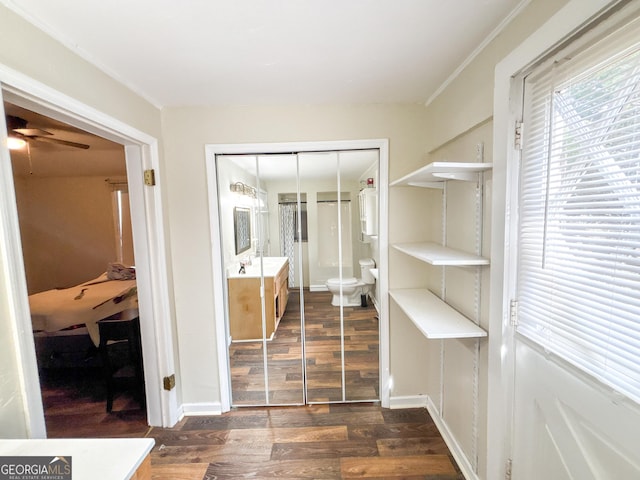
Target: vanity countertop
(270,265)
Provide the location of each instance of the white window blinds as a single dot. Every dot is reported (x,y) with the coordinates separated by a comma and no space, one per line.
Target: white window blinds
(579,206)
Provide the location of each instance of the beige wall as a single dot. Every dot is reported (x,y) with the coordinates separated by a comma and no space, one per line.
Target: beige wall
(67,229)
(186,131)
(31,53)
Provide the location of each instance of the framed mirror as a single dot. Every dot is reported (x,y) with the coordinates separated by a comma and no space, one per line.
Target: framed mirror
(242,227)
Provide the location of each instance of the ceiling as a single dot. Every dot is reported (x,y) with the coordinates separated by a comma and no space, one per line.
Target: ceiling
(258,52)
(44,159)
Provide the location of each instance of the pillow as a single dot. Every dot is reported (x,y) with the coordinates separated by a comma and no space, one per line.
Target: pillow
(117,271)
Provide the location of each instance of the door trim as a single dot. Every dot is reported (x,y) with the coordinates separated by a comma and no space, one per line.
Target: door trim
(141,151)
(211,151)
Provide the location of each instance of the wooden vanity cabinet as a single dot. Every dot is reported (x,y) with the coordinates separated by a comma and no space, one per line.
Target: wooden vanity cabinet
(245,308)
(281,293)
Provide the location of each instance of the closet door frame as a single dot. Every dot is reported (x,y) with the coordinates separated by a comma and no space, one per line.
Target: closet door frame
(222,336)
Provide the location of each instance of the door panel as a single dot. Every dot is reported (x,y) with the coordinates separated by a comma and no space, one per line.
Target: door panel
(322,320)
(567,426)
(361,353)
(284,347)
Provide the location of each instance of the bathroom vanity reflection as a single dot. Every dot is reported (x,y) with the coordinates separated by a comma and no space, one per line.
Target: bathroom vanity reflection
(245,307)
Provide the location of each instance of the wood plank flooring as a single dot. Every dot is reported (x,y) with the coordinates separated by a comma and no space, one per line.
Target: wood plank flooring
(337,441)
(323,356)
(75,406)
(330,441)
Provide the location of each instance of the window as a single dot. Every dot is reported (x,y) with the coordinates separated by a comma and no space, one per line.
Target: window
(579,207)
(122,221)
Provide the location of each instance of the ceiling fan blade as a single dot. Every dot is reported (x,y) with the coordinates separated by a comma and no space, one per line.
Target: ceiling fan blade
(59,142)
(32,132)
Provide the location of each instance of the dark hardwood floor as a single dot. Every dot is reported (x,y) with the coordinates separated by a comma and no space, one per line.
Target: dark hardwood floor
(318,441)
(75,406)
(321,441)
(336,441)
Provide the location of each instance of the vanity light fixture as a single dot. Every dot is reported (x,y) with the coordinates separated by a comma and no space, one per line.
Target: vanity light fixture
(243,189)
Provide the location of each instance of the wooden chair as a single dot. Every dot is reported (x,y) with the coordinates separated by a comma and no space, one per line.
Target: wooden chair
(121,353)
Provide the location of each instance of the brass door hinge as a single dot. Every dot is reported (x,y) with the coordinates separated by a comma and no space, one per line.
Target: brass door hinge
(169,382)
(150,177)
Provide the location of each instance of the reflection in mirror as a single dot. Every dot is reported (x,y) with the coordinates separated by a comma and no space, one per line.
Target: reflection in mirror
(313,336)
(242,228)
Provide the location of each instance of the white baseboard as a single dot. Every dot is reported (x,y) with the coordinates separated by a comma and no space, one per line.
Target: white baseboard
(412,401)
(454,447)
(201,409)
(318,288)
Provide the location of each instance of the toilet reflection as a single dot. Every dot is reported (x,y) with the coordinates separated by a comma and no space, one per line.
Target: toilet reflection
(349,292)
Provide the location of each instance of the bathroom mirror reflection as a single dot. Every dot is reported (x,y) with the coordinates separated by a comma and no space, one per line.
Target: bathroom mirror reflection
(313,335)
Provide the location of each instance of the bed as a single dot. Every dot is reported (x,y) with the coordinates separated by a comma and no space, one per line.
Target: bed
(65,321)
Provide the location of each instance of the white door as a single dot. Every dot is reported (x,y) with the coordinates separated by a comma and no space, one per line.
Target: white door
(567,426)
(577,301)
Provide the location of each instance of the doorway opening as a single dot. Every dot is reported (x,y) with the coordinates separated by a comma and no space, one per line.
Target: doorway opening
(303,318)
(75,227)
(140,152)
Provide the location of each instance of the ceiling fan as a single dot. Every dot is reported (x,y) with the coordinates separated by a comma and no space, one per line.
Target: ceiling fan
(17,127)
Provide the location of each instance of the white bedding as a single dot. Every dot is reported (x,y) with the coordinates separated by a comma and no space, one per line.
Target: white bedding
(86,303)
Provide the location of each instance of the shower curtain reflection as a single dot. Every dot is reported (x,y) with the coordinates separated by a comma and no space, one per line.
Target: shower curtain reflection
(287,235)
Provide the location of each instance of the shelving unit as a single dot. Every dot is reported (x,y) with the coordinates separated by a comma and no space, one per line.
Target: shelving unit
(435,174)
(433,316)
(435,254)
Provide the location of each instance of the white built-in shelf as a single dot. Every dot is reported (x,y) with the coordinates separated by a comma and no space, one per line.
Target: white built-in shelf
(434,174)
(433,317)
(436,254)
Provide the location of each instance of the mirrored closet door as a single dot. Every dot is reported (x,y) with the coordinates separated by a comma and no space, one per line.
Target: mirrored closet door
(300,292)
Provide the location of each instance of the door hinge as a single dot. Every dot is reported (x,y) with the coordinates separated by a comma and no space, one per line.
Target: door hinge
(517,143)
(507,472)
(169,382)
(513,313)
(150,177)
